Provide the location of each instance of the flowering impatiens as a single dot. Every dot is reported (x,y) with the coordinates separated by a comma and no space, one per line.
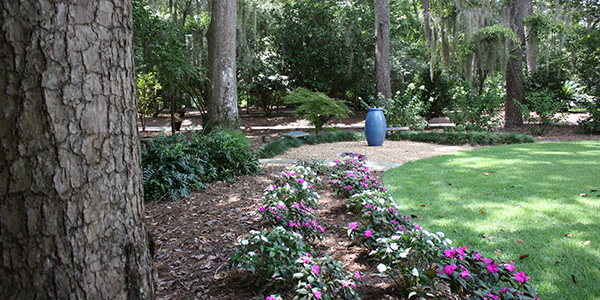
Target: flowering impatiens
(521,277)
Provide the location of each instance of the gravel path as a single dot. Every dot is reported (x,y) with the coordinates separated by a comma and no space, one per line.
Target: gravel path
(390,152)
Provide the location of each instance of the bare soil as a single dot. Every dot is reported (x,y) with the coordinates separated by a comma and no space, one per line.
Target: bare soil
(194,237)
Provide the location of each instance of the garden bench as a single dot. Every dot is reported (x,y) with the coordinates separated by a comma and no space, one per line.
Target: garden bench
(296,134)
(394,129)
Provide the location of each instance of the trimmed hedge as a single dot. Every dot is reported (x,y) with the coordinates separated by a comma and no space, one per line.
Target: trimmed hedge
(461,138)
(282,145)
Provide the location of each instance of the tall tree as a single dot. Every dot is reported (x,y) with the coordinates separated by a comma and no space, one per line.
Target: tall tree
(514,67)
(531,40)
(222,101)
(71,210)
(382,48)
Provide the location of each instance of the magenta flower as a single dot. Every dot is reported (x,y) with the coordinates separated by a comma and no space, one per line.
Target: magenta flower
(334,181)
(492,267)
(295,206)
(449,269)
(368,206)
(449,253)
(306,258)
(315,269)
(492,296)
(510,267)
(353,225)
(521,277)
(307,224)
(322,229)
(400,228)
(292,224)
(417,226)
(348,187)
(478,256)
(317,294)
(394,222)
(464,273)
(369,233)
(461,252)
(486,260)
(262,209)
(357,274)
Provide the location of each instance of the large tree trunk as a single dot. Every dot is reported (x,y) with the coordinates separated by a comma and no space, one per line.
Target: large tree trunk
(382,48)
(222,102)
(531,41)
(71,205)
(514,68)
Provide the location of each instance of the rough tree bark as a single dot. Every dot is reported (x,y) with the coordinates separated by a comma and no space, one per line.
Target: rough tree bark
(382,48)
(514,67)
(71,206)
(222,102)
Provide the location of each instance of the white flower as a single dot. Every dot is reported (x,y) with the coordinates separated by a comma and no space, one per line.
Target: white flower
(244,242)
(394,246)
(440,234)
(264,238)
(395,237)
(381,268)
(415,272)
(251,253)
(381,201)
(253,232)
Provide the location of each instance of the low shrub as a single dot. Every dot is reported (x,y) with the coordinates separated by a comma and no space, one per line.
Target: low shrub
(476,111)
(592,123)
(316,107)
(282,145)
(462,138)
(174,166)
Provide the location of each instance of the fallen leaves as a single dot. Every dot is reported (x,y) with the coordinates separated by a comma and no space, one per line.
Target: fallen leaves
(587,243)
(522,257)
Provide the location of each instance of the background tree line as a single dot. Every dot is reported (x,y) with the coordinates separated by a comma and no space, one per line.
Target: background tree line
(544,49)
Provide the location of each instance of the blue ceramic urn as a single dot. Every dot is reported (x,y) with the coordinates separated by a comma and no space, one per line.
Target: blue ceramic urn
(375,127)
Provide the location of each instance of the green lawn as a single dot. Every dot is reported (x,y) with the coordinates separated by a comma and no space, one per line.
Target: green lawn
(539,200)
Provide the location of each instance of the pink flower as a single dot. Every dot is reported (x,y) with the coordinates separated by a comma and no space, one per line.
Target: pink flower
(486,260)
(520,277)
(461,252)
(307,224)
(348,187)
(464,273)
(295,206)
(492,296)
(317,294)
(368,206)
(345,283)
(510,267)
(353,226)
(478,256)
(400,227)
(306,258)
(504,290)
(291,224)
(334,181)
(315,269)
(262,209)
(357,274)
(417,226)
(369,233)
(492,267)
(449,253)
(278,217)
(322,229)
(449,269)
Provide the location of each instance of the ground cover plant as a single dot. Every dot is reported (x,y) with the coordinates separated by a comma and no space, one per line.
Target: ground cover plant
(174,166)
(533,204)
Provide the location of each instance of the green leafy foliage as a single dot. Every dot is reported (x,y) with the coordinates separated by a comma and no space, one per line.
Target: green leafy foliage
(462,138)
(406,109)
(542,107)
(436,92)
(316,107)
(148,100)
(173,166)
(592,123)
(474,111)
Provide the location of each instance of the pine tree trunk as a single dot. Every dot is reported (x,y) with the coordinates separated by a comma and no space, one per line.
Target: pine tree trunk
(531,41)
(382,48)
(514,68)
(222,102)
(71,207)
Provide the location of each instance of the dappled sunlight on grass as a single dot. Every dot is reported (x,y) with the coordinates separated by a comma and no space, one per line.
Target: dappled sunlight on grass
(539,200)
